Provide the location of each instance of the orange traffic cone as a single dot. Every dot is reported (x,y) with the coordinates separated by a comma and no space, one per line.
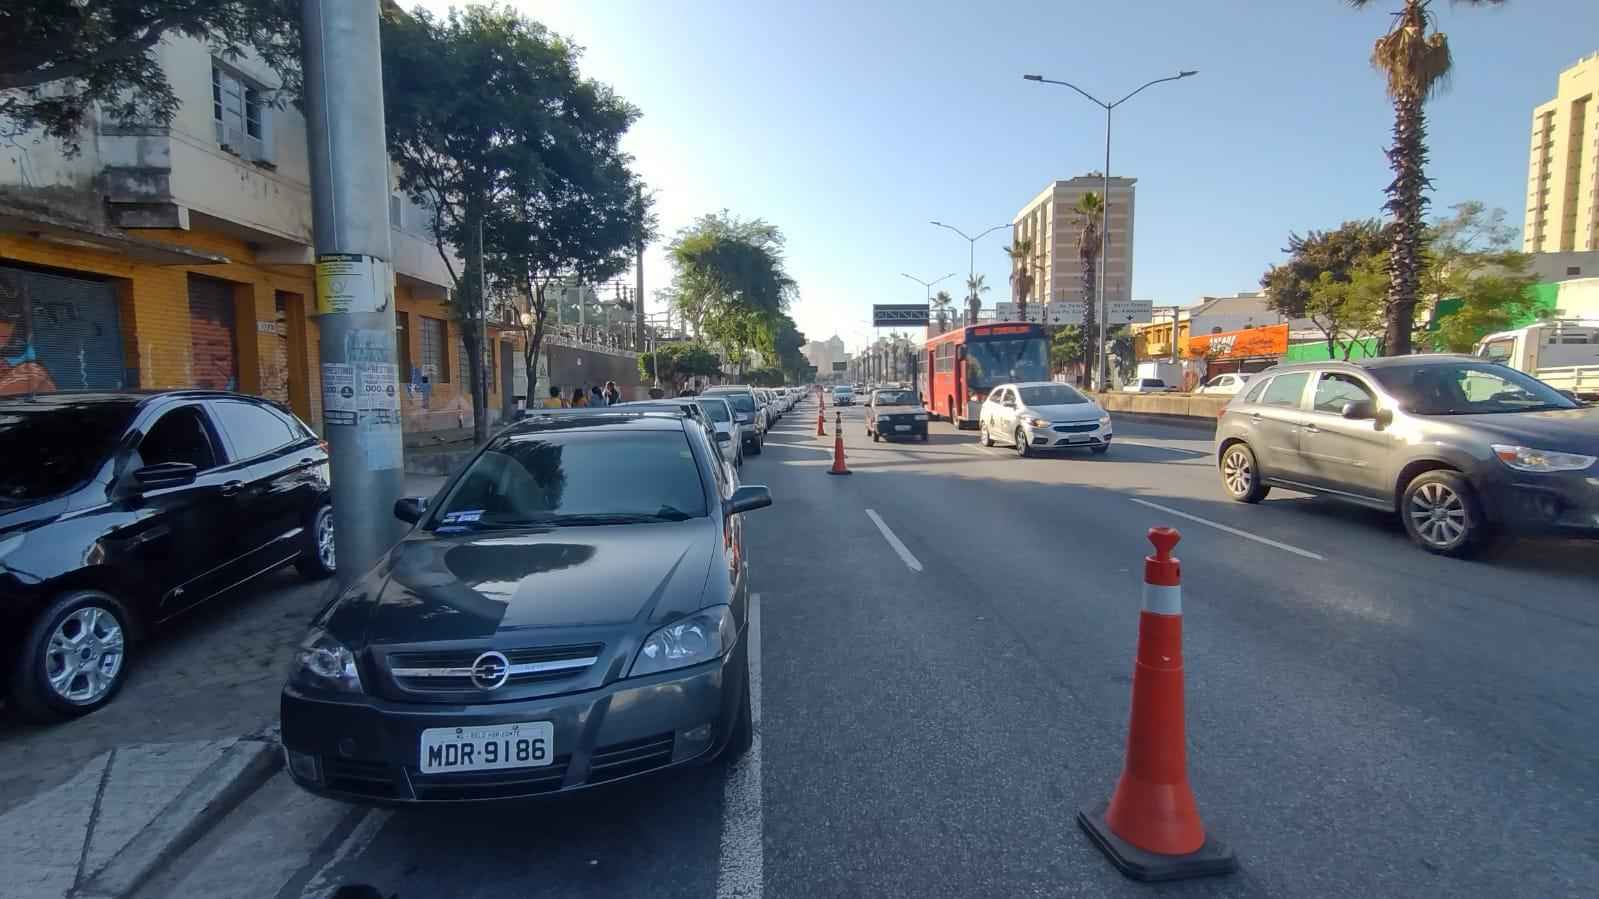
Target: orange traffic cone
(838,446)
(1150,829)
(821,424)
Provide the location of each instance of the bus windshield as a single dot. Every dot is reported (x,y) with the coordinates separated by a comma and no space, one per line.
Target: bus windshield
(995,361)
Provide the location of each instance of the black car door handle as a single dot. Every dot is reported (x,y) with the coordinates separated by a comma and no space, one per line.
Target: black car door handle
(1312,429)
(232,488)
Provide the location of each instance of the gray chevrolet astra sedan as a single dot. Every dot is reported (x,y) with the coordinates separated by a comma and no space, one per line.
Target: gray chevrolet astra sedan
(1458,447)
(573,611)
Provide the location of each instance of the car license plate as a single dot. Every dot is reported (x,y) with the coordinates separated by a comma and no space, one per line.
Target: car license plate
(902,427)
(1078,439)
(487,748)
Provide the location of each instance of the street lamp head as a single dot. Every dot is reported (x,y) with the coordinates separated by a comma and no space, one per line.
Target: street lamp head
(938,223)
(1033,77)
(1187,72)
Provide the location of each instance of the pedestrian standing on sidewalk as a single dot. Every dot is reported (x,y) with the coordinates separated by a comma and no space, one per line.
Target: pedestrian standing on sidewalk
(612,394)
(579,398)
(554,401)
(596,397)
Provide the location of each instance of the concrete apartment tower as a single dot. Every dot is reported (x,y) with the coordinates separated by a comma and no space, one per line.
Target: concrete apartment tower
(1050,220)
(1563,174)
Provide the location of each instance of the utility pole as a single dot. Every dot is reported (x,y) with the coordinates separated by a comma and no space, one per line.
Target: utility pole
(343,70)
(638,279)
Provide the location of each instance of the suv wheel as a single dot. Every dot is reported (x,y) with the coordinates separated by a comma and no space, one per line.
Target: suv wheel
(318,559)
(74,659)
(1441,512)
(1241,476)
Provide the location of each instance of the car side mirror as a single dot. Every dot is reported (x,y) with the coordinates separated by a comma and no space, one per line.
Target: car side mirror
(1359,410)
(1569,395)
(410,509)
(723,437)
(165,474)
(748,498)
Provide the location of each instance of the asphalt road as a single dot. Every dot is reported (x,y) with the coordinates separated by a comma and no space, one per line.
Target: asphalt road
(944,666)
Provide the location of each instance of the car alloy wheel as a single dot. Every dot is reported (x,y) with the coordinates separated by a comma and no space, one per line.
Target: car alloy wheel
(1438,516)
(1022,449)
(1238,472)
(986,439)
(324,538)
(83,659)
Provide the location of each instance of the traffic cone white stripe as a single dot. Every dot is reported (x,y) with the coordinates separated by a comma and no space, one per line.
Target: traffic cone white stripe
(1163,600)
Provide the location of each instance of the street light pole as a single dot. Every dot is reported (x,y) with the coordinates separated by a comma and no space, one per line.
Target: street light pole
(971,252)
(1104,219)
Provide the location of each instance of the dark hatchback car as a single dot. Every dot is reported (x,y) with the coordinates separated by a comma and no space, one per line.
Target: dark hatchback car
(571,611)
(895,412)
(119,511)
(1458,447)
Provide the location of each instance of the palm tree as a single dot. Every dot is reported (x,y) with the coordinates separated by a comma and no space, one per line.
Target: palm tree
(975,288)
(942,301)
(1021,273)
(1091,208)
(1416,65)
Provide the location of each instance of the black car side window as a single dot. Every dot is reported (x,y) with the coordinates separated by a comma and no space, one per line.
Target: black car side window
(253,430)
(180,435)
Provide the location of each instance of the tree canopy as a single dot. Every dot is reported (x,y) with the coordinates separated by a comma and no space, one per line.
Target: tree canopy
(730,284)
(59,59)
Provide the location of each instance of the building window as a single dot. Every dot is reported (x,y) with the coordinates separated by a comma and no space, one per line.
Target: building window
(1573,270)
(402,345)
(396,212)
(435,351)
(240,115)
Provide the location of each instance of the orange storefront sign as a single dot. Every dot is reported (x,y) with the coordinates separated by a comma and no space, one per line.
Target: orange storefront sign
(1271,340)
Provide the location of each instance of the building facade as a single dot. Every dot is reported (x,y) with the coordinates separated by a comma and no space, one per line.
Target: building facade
(180,256)
(1053,225)
(1563,171)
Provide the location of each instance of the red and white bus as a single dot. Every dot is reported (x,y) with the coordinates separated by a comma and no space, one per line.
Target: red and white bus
(961,365)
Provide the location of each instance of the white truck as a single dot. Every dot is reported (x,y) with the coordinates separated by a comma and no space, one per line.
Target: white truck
(1562,354)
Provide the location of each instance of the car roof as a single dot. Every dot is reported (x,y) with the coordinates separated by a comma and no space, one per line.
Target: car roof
(116,397)
(1020,384)
(728,388)
(595,420)
(1378,362)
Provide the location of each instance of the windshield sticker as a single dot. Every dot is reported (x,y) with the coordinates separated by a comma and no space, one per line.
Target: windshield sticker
(463,517)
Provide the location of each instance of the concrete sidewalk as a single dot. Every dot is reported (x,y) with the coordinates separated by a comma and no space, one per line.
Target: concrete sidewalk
(101,834)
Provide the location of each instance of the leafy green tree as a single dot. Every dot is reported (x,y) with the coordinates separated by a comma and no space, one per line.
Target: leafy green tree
(1023,260)
(1090,207)
(678,362)
(1124,349)
(730,284)
(941,303)
(975,288)
(1416,64)
(59,59)
(490,124)
(1322,260)
(1349,310)
(1066,347)
(1471,258)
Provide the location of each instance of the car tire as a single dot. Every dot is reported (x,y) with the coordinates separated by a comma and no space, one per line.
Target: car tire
(1240,474)
(1099,450)
(924,436)
(756,447)
(743,735)
(318,561)
(984,437)
(1022,448)
(1441,514)
(79,613)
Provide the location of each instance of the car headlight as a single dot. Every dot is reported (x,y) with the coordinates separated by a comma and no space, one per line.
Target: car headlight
(921,416)
(1525,458)
(1104,420)
(1038,422)
(882,418)
(323,663)
(700,637)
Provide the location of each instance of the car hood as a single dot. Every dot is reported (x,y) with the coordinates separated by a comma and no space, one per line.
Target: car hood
(1068,412)
(1566,430)
(455,587)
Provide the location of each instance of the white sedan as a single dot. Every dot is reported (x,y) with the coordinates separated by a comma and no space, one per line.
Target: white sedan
(1043,415)
(1224,385)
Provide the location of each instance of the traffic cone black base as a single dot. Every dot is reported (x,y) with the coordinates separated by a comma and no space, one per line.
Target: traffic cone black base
(845,471)
(1211,859)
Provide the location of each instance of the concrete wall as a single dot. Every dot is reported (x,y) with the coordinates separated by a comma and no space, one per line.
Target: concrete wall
(1181,407)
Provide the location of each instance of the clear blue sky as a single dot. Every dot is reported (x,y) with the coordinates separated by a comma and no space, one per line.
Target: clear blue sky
(851,124)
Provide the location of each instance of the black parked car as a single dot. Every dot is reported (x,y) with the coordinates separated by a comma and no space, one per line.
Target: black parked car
(572,611)
(119,511)
(895,412)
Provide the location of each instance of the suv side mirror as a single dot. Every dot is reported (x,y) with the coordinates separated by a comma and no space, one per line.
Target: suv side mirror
(166,474)
(748,498)
(410,509)
(1359,410)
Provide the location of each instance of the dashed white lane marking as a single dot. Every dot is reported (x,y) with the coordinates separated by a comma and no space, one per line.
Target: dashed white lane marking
(894,541)
(1285,547)
(740,873)
(365,831)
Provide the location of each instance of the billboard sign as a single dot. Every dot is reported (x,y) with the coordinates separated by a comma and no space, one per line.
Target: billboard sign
(1126,312)
(905,315)
(840,366)
(1057,313)
(1271,340)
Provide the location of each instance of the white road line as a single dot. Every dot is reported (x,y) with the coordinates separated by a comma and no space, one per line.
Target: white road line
(361,836)
(740,874)
(1234,531)
(904,554)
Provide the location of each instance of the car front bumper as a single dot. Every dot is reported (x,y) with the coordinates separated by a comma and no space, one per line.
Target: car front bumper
(1561,502)
(891,429)
(1053,437)
(366,749)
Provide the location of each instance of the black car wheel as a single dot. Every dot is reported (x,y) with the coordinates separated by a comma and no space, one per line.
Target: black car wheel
(318,559)
(1241,476)
(756,447)
(924,436)
(74,659)
(1441,513)
(743,735)
(1100,450)
(1022,449)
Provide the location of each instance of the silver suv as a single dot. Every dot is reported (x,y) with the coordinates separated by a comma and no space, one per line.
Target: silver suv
(1460,448)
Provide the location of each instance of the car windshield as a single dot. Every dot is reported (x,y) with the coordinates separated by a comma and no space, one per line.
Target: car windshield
(1153,382)
(716,409)
(993,362)
(601,476)
(1467,388)
(843,390)
(51,448)
(1051,395)
(894,398)
(742,402)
